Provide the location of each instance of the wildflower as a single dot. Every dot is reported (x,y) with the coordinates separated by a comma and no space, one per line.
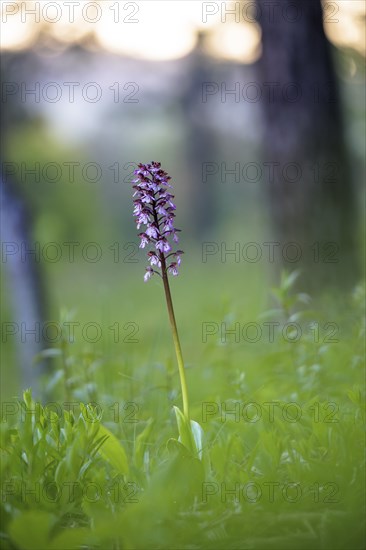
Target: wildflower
(149,273)
(173,269)
(155,209)
(144,240)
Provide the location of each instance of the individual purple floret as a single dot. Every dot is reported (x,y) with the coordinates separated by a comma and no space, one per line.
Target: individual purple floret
(154,208)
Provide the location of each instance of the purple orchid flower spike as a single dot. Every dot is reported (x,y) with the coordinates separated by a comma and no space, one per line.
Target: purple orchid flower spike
(154,208)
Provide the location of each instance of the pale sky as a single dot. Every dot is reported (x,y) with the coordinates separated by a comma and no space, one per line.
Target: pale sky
(163,29)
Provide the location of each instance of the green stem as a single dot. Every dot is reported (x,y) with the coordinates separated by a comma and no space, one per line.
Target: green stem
(178,349)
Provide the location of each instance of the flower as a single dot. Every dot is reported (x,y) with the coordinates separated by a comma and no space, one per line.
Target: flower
(152,231)
(178,254)
(173,269)
(149,273)
(163,245)
(154,208)
(154,259)
(144,240)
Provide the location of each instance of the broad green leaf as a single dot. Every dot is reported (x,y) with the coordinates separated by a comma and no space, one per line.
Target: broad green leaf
(191,435)
(176,448)
(112,451)
(198,435)
(185,431)
(202,450)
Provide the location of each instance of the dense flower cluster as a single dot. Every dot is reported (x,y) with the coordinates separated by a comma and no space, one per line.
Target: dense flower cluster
(154,208)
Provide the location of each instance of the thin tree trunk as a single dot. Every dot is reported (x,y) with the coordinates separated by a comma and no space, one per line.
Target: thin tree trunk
(201,143)
(22,276)
(22,279)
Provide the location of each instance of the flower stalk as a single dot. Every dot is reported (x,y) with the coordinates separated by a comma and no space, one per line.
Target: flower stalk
(178,349)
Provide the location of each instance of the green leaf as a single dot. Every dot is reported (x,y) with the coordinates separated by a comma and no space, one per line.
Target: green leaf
(141,442)
(61,472)
(176,448)
(288,280)
(198,435)
(202,448)
(112,451)
(191,435)
(185,431)
(27,397)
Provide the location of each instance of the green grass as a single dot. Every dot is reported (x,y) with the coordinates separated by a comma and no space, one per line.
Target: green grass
(277,475)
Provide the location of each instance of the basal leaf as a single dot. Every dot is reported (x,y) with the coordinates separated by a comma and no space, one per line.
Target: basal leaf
(112,451)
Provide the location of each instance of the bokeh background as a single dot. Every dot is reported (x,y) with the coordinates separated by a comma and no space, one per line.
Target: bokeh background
(120,83)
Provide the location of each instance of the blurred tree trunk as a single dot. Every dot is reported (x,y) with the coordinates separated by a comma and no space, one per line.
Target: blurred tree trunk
(201,142)
(312,200)
(22,273)
(25,290)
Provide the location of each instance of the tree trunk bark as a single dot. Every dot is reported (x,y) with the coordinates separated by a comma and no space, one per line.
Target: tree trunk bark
(25,289)
(311,196)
